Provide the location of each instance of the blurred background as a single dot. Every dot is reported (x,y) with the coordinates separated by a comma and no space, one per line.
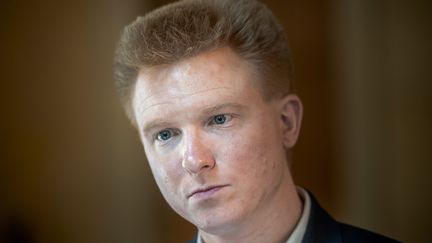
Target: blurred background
(72,168)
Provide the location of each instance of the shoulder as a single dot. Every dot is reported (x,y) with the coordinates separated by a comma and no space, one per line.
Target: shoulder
(323,228)
(354,234)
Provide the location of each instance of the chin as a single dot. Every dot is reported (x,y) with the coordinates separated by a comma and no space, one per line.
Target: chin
(217,223)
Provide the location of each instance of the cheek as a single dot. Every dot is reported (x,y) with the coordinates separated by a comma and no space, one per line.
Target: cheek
(166,173)
(251,154)
(169,176)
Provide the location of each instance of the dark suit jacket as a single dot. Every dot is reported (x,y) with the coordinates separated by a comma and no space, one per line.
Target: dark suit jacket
(322,228)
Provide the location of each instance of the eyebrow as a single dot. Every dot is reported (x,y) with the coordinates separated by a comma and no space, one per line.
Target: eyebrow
(160,122)
(223,106)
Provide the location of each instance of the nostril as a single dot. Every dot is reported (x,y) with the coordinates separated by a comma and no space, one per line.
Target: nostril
(197,166)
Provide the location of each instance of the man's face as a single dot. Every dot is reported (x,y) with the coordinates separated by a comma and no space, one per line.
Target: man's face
(215,147)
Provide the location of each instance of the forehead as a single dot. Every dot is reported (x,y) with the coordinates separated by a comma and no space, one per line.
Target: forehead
(219,74)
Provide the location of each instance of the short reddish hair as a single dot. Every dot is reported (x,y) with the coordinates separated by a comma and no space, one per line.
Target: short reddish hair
(187,28)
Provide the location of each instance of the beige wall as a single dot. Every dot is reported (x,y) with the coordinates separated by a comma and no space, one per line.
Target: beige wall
(71,168)
(381,60)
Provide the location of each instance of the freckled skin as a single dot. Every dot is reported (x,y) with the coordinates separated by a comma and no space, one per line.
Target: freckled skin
(246,154)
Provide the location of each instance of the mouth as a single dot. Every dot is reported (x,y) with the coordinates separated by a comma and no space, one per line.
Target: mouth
(205,191)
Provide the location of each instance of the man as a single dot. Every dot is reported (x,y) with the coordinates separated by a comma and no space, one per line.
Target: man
(208,85)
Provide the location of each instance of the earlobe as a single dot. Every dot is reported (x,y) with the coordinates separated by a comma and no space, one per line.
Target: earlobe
(291,112)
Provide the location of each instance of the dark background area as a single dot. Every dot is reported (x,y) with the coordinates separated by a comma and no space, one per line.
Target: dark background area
(72,168)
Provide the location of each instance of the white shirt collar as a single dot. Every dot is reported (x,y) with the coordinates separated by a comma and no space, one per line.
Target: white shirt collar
(300,229)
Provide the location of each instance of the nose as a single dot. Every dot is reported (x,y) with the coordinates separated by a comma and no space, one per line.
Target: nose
(197,156)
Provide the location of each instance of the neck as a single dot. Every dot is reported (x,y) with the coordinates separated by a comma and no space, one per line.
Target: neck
(273,222)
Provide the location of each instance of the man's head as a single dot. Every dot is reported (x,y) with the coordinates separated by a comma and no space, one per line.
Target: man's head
(187,28)
(214,112)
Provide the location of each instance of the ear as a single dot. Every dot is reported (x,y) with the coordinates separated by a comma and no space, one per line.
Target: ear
(291,111)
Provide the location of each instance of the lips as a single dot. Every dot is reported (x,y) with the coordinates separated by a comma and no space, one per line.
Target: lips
(205,190)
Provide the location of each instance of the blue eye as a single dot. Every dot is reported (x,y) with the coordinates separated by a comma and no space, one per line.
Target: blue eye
(164,135)
(219,119)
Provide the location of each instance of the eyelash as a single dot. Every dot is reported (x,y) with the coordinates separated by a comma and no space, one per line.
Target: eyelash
(172,134)
(228,118)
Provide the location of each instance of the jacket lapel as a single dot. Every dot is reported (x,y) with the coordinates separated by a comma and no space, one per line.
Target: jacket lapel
(321,226)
